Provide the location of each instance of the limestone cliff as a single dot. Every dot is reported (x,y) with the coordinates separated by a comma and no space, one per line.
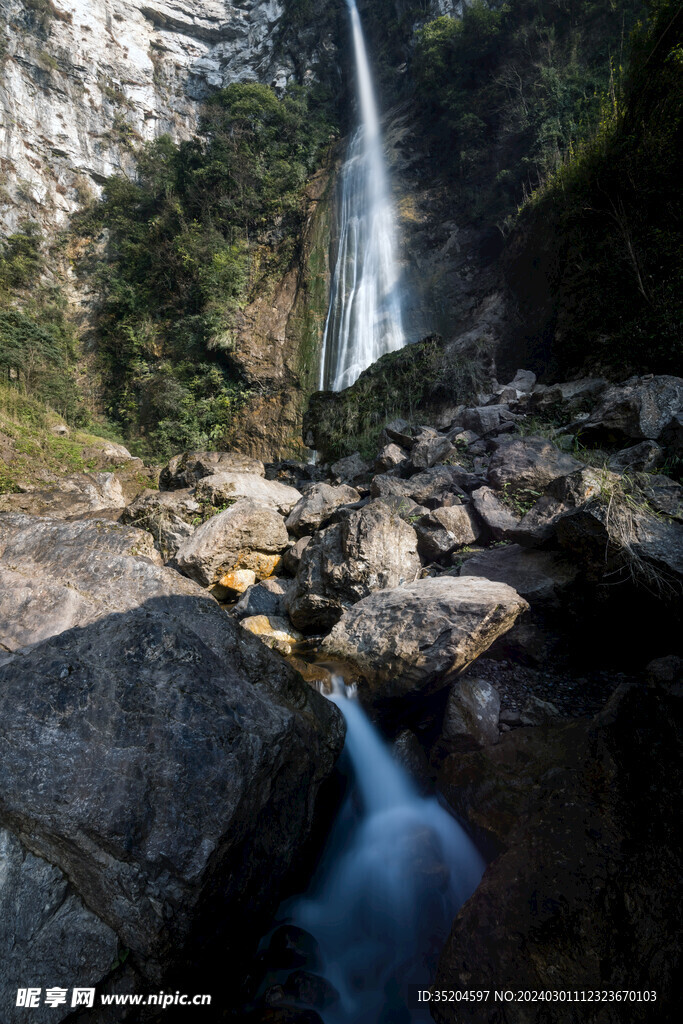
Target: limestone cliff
(82,82)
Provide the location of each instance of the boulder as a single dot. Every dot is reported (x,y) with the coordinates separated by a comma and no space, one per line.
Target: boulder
(642,408)
(540,577)
(317,506)
(274,631)
(222,488)
(529,463)
(185,470)
(144,736)
(351,469)
(264,598)
(639,458)
(235,539)
(370,549)
(535,528)
(432,486)
(47,935)
(586,885)
(427,451)
(170,516)
(496,516)
(234,583)
(390,457)
(142,754)
(488,419)
(442,531)
(662,494)
(570,398)
(539,712)
(471,716)
(56,575)
(399,431)
(292,556)
(412,640)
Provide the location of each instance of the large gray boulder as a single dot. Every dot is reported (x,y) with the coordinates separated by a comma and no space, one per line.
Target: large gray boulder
(47,935)
(471,715)
(248,535)
(442,531)
(156,754)
(187,469)
(317,506)
(224,487)
(529,463)
(416,638)
(642,408)
(370,549)
(170,516)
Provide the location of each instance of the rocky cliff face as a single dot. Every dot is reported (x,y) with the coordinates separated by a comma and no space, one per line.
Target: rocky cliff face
(82,82)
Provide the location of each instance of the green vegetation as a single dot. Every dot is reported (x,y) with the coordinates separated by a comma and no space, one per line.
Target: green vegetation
(399,384)
(38,347)
(190,241)
(506,92)
(607,225)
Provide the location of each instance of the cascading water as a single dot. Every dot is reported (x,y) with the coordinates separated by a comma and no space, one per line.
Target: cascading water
(364,319)
(392,878)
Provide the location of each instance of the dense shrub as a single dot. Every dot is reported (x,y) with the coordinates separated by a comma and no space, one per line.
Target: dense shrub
(188,241)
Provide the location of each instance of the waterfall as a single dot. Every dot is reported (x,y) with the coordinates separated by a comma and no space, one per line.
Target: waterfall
(393,876)
(364,319)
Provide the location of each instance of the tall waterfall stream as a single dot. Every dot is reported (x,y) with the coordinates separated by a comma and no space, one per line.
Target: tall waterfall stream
(364,320)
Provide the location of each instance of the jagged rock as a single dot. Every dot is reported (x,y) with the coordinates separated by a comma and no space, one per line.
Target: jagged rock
(659,543)
(274,631)
(47,935)
(292,556)
(539,712)
(234,583)
(352,469)
(404,507)
(74,496)
(523,380)
(488,419)
(386,486)
(587,883)
(234,539)
(540,577)
(471,715)
(640,458)
(264,598)
(442,531)
(432,486)
(414,639)
(579,487)
(661,493)
(427,451)
(495,515)
(370,549)
(390,457)
(399,431)
(408,751)
(642,408)
(220,488)
(141,755)
(186,470)
(569,398)
(529,463)
(170,517)
(317,506)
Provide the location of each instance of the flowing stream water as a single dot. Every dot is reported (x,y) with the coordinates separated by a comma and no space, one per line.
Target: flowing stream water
(396,869)
(364,320)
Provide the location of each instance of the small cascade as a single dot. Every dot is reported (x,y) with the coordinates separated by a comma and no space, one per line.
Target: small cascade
(396,869)
(364,320)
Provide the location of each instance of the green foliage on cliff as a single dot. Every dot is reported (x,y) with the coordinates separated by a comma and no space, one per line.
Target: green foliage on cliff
(37,343)
(185,240)
(599,251)
(506,92)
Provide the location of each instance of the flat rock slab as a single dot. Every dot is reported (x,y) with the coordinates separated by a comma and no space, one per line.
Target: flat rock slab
(414,639)
(221,488)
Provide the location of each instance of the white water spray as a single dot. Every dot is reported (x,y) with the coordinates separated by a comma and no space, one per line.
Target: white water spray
(364,320)
(389,886)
